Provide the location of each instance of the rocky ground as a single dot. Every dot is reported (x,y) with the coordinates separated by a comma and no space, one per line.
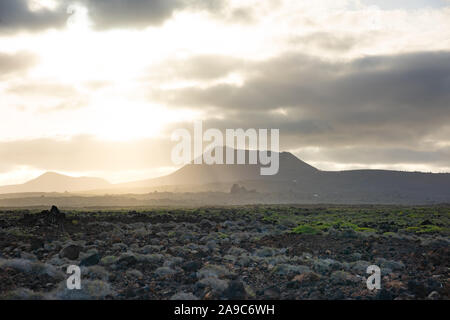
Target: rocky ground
(258,252)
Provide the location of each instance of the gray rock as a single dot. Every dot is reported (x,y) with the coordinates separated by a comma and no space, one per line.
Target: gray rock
(390,264)
(235,291)
(272,293)
(187,237)
(28,256)
(356,256)
(108,260)
(279,259)
(173,262)
(22,294)
(212,244)
(228,224)
(213,271)
(90,290)
(32,267)
(164,272)
(360,266)
(238,237)
(216,284)
(55,260)
(154,258)
(206,225)
(191,266)
(230,259)
(343,278)
(243,261)
(150,249)
(235,251)
(265,252)
(193,246)
(90,260)
(96,273)
(289,270)
(119,247)
(325,265)
(135,274)
(183,296)
(127,260)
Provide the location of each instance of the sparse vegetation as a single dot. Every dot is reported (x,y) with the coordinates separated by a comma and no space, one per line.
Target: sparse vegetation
(306,229)
(211,251)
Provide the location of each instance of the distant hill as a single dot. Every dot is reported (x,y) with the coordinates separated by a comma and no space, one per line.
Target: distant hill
(55,182)
(200,174)
(296,182)
(301,181)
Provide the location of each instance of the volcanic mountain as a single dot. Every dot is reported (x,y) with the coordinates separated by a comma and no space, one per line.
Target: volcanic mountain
(295,180)
(55,182)
(198,174)
(297,177)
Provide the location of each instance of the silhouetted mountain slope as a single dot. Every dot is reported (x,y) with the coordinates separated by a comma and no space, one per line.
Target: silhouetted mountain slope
(54,182)
(297,177)
(289,168)
(296,182)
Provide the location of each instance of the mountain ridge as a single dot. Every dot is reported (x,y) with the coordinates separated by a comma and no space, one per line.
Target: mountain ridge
(294,177)
(51,181)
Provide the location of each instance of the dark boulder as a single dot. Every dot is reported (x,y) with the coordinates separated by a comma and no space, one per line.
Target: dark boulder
(56,214)
(127,261)
(36,243)
(417,288)
(191,266)
(91,260)
(70,252)
(235,291)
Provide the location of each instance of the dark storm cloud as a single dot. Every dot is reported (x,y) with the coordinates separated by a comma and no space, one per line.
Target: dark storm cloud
(404,95)
(14,63)
(414,81)
(15,15)
(107,14)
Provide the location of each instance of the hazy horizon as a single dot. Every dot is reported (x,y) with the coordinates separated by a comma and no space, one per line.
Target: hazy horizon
(175,169)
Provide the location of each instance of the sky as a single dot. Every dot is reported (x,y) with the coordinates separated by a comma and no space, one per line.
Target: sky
(96,87)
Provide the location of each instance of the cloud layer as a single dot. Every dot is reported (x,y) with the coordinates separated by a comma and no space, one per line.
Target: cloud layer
(106,14)
(15,63)
(399,98)
(16,15)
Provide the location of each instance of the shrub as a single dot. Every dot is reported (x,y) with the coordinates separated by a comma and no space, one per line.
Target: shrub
(306,229)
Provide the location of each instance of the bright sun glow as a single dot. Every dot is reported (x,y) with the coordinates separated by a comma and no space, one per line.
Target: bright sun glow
(126,120)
